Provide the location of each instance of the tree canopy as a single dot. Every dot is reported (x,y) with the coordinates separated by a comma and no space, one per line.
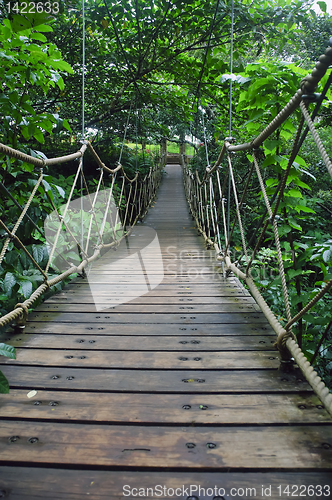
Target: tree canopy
(161,58)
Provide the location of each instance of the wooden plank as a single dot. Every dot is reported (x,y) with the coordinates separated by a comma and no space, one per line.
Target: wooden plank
(154,381)
(145,308)
(191,279)
(169,291)
(191,409)
(146,359)
(136,446)
(215,286)
(106,266)
(64,484)
(103,328)
(192,272)
(76,298)
(184,318)
(140,343)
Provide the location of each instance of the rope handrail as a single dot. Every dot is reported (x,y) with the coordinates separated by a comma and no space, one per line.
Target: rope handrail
(139,199)
(197,198)
(14,153)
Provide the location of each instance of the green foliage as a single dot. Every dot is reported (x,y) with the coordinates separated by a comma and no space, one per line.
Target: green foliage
(267,89)
(30,66)
(4,385)
(9,352)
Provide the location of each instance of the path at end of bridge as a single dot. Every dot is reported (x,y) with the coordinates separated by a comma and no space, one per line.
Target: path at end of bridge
(172,392)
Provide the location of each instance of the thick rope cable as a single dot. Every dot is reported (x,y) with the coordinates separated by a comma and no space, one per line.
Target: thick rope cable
(229,237)
(107,208)
(19,242)
(206,50)
(214,212)
(319,102)
(13,153)
(310,374)
(117,216)
(231,71)
(205,142)
(91,211)
(19,220)
(313,301)
(125,133)
(93,215)
(83,121)
(316,138)
(276,238)
(11,197)
(280,192)
(62,221)
(237,207)
(61,218)
(83,70)
(221,194)
(230,120)
(206,206)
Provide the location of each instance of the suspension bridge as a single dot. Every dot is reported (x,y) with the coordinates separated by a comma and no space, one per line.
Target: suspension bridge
(155,372)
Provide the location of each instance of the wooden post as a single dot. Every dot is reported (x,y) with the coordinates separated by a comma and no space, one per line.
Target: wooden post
(163,147)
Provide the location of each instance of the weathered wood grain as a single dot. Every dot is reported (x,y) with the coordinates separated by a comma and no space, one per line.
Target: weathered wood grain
(185,318)
(143,446)
(150,308)
(188,299)
(199,409)
(141,343)
(171,290)
(156,381)
(146,360)
(63,484)
(103,328)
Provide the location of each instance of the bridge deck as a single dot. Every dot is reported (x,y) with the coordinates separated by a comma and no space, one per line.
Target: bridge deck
(176,387)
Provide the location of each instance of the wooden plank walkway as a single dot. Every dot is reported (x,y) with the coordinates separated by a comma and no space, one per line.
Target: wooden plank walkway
(177,390)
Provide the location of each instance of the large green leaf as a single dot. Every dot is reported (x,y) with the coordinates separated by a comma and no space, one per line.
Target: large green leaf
(7,350)
(38,253)
(26,287)
(327,255)
(4,385)
(61,65)
(44,28)
(8,282)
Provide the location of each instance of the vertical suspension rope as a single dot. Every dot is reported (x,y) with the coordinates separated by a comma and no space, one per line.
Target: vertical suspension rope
(231,65)
(125,132)
(83,69)
(83,117)
(205,141)
(230,117)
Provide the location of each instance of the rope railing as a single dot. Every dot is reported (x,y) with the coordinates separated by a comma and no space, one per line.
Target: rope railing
(212,223)
(129,204)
